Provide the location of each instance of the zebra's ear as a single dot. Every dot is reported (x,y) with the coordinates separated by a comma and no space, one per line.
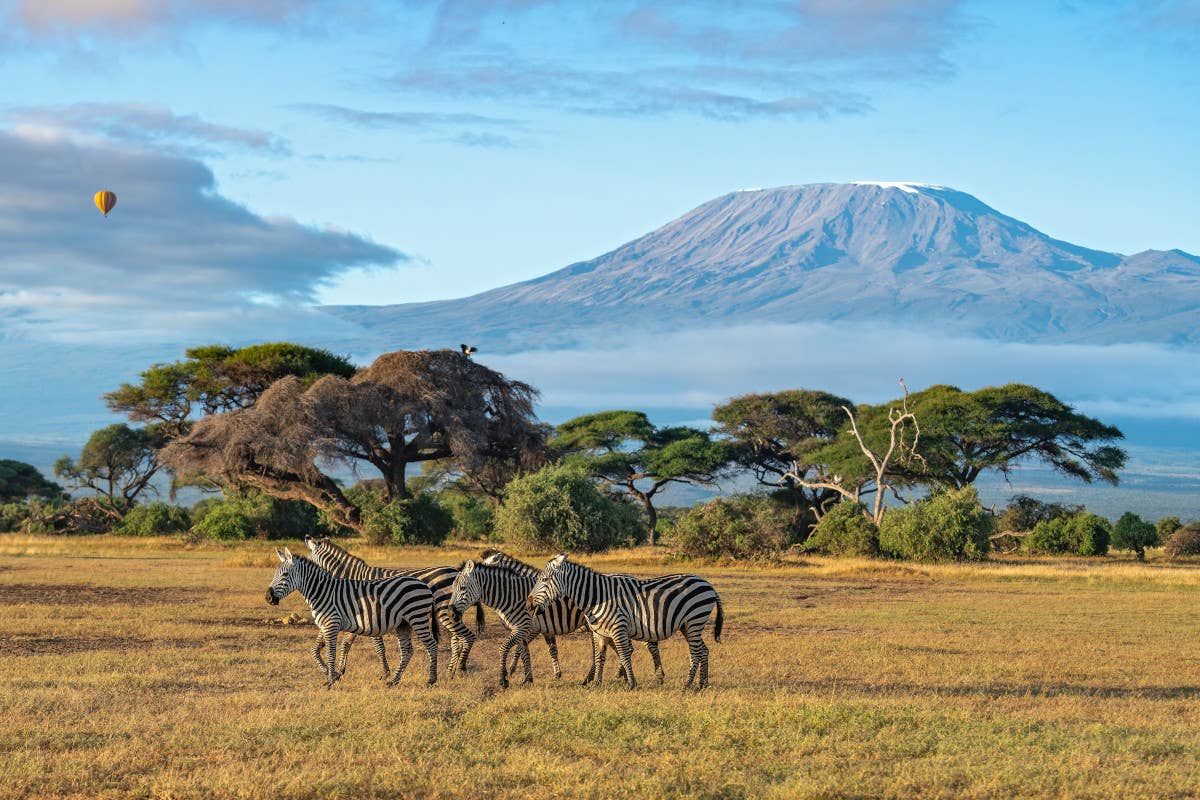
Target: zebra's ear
(558,559)
(282,557)
(289,555)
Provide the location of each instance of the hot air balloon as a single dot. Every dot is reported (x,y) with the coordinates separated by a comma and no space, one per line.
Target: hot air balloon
(105,200)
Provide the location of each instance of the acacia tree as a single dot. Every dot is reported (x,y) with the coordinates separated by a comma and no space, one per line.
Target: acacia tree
(21,481)
(856,464)
(997,427)
(775,435)
(624,450)
(215,378)
(117,464)
(407,407)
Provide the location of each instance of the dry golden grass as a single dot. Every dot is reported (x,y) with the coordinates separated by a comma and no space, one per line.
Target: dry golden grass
(147,668)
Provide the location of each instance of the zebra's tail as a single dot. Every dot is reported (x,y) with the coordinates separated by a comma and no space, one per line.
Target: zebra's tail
(720,621)
(434,622)
(479,617)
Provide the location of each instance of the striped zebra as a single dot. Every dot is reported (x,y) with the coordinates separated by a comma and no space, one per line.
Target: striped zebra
(400,605)
(343,564)
(503,583)
(620,608)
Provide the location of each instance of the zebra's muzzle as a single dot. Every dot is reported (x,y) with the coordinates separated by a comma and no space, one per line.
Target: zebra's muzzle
(271,598)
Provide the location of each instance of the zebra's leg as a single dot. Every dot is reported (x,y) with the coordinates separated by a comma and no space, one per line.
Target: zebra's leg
(525,657)
(591,669)
(382,652)
(344,655)
(624,648)
(599,644)
(331,673)
(652,647)
(515,639)
(404,639)
(425,637)
(462,639)
(698,651)
(317,650)
(552,646)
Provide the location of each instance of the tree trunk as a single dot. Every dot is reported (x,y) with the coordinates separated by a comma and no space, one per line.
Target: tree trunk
(395,481)
(651,521)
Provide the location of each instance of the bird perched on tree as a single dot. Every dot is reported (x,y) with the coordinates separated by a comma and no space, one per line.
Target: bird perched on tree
(468,349)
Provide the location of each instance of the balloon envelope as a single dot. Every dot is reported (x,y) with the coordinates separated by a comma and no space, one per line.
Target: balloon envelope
(105,200)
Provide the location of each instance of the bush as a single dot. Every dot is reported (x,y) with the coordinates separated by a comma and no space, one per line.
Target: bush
(417,520)
(156,519)
(559,508)
(1133,533)
(1083,534)
(743,526)
(944,526)
(1166,526)
(1184,541)
(472,517)
(844,531)
(222,520)
(256,515)
(1024,513)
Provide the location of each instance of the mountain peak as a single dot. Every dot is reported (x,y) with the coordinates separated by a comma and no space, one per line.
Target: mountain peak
(911,187)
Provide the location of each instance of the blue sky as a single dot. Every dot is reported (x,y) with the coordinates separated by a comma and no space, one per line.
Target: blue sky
(389,152)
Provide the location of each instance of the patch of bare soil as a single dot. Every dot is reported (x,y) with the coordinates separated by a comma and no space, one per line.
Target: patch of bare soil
(72,594)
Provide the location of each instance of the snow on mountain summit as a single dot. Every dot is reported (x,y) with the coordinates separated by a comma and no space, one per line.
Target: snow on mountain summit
(911,187)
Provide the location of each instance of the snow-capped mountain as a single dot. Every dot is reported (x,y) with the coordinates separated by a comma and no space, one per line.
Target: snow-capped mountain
(895,253)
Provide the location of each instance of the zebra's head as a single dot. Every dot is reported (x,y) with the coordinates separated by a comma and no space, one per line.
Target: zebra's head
(548,586)
(466,590)
(318,547)
(284,582)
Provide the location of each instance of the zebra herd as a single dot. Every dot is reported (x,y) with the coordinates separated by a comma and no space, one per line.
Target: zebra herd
(347,595)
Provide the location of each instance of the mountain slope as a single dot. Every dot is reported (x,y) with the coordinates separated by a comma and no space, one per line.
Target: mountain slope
(896,253)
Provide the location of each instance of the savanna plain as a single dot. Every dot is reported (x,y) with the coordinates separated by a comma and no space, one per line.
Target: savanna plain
(154,668)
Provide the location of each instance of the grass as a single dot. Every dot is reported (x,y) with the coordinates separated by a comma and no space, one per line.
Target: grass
(153,668)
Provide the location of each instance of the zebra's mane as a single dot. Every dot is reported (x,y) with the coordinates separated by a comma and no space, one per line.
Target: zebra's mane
(502,560)
(338,550)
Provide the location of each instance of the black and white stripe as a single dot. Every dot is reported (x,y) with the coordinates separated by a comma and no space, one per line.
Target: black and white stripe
(340,562)
(401,605)
(620,609)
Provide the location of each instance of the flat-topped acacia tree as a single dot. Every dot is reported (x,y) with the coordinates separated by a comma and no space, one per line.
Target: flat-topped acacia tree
(406,407)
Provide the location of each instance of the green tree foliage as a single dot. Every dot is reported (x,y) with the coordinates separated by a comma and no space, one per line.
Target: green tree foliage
(215,378)
(1024,513)
(1133,533)
(776,434)
(1083,534)
(965,433)
(845,530)
(418,519)
(947,525)
(742,527)
(624,450)
(560,508)
(155,519)
(21,481)
(473,517)
(1183,541)
(1166,526)
(406,408)
(117,464)
(253,515)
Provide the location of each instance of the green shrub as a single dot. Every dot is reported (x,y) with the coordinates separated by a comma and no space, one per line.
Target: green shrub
(742,526)
(223,520)
(844,531)
(1185,541)
(559,508)
(472,516)
(1083,534)
(155,519)
(264,516)
(13,516)
(1133,533)
(944,526)
(417,520)
(1166,526)
(1024,513)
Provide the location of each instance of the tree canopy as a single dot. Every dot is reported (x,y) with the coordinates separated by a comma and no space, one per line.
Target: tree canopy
(117,464)
(21,481)
(623,449)
(216,378)
(406,407)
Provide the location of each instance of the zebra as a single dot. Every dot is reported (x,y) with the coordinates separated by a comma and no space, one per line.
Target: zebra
(506,595)
(620,608)
(400,605)
(343,564)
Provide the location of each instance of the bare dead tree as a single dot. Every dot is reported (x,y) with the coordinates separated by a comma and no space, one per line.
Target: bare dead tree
(898,449)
